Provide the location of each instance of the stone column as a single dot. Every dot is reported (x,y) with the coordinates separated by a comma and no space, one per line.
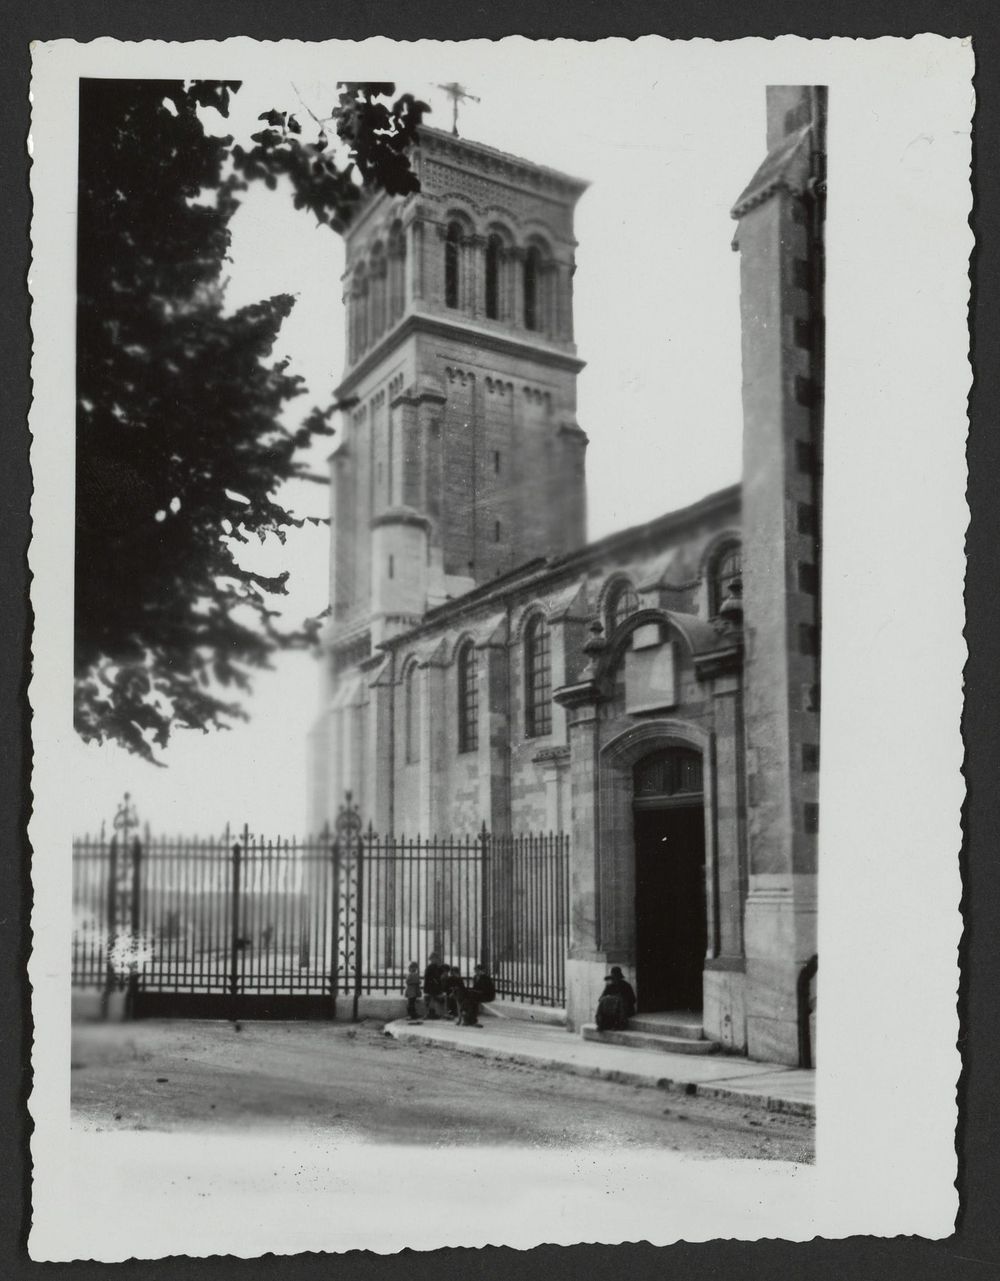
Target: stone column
(466,275)
(565,294)
(517,266)
(477,276)
(508,271)
(549,286)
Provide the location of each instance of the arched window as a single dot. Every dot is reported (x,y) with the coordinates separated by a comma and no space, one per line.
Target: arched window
(623,600)
(452,248)
(378,292)
(411,709)
(361,327)
(726,565)
(468,698)
(537,679)
(493,253)
(397,272)
(532,271)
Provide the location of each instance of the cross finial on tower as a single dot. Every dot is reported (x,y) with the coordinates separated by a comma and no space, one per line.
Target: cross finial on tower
(457,93)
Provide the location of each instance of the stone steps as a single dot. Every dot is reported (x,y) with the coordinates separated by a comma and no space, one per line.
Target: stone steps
(657,1040)
(687,1026)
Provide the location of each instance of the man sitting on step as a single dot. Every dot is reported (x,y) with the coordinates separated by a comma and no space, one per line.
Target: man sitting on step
(617,1002)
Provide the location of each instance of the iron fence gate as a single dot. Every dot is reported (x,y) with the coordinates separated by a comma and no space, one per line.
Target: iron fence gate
(240,926)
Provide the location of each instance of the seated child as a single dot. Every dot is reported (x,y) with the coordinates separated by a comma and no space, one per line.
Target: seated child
(453,990)
(412,991)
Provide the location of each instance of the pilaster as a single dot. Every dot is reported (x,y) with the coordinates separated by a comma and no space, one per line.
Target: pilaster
(779,237)
(494,730)
(433,672)
(380,763)
(517,266)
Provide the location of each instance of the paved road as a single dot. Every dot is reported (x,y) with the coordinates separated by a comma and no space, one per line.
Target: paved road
(363,1084)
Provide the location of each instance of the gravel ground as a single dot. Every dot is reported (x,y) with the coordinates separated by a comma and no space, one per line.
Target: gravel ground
(358,1082)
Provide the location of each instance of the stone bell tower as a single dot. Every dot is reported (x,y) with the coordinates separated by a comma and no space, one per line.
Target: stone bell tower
(462,451)
(460,457)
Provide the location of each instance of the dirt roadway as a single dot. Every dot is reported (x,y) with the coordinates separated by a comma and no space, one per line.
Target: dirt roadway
(360,1082)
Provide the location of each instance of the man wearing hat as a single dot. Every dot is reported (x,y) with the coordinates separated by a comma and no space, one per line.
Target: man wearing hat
(617,1003)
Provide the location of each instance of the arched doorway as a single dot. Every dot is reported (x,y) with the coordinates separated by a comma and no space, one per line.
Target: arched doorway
(670,905)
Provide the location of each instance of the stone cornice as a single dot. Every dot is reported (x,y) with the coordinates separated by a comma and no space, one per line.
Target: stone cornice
(413,396)
(400,516)
(351,635)
(490,161)
(786,168)
(579,694)
(462,331)
(727,658)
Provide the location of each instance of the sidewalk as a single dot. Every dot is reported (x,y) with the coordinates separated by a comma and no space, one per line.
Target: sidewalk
(717,1076)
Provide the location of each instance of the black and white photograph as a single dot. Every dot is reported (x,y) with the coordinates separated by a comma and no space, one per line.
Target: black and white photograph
(474,665)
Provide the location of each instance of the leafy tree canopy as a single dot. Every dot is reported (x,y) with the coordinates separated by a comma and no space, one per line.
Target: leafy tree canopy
(180,450)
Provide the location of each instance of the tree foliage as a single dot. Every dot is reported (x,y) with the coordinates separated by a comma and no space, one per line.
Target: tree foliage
(180,447)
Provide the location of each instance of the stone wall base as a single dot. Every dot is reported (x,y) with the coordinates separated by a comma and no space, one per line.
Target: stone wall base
(725,1013)
(780,939)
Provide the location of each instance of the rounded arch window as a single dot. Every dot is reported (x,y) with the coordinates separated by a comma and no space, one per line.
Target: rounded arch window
(537,678)
(359,332)
(452,249)
(727,566)
(623,601)
(468,698)
(377,275)
(397,271)
(532,283)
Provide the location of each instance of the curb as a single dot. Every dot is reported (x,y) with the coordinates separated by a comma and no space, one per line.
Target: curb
(706,1090)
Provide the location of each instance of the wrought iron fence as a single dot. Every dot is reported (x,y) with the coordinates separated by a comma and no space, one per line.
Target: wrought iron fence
(502,900)
(239,924)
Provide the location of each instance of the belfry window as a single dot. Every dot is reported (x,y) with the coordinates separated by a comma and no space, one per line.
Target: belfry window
(537,679)
(452,248)
(532,266)
(411,708)
(468,698)
(493,277)
(622,602)
(727,566)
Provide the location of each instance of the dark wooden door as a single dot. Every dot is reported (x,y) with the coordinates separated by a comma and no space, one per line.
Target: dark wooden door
(671,927)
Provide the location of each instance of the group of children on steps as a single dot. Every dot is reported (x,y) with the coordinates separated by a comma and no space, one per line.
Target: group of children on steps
(446,993)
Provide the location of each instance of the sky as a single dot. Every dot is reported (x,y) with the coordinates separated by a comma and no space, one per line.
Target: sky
(657,321)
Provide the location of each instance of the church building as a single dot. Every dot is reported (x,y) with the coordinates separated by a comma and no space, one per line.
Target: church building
(654,694)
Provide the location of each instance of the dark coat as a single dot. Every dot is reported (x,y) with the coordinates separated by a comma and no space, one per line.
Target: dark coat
(483,987)
(624,989)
